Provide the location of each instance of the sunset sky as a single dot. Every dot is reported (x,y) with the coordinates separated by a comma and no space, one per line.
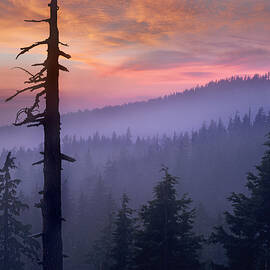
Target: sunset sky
(127,50)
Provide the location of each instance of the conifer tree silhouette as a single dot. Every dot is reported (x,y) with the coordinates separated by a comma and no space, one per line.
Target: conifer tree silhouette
(46,81)
(16,241)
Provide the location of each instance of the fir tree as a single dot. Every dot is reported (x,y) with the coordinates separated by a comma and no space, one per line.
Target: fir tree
(246,236)
(166,240)
(123,237)
(16,242)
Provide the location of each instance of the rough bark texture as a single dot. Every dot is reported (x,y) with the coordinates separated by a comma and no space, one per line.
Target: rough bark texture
(51,207)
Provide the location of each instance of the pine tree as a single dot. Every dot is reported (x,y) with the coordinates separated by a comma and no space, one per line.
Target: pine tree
(123,237)
(16,242)
(165,240)
(246,236)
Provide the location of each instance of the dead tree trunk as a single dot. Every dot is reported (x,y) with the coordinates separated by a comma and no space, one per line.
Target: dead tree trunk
(51,208)
(50,119)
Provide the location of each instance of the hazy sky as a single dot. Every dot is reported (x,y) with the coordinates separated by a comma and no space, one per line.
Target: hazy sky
(126,50)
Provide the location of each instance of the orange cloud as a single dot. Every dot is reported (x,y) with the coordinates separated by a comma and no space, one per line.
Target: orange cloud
(120,48)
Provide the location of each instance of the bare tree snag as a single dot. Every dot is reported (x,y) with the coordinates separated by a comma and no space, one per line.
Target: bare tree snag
(50,119)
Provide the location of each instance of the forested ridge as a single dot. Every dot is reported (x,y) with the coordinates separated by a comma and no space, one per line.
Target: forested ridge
(211,163)
(178,112)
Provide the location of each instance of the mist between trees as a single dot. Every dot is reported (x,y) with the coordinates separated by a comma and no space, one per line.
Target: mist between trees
(211,163)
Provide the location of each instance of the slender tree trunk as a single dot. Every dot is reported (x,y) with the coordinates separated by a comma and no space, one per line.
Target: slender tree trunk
(51,209)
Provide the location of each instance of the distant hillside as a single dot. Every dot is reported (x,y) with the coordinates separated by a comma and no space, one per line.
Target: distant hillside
(181,111)
(177,112)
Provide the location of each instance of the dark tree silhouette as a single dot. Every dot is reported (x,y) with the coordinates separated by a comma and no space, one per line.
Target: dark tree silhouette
(166,240)
(15,237)
(50,118)
(246,236)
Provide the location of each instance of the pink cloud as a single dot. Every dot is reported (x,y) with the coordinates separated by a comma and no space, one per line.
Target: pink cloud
(128,49)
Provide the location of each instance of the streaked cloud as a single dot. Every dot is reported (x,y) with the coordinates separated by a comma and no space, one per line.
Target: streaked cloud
(160,59)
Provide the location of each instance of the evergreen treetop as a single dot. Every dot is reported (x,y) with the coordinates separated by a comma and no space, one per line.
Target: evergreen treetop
(16,243)
(246,236)
(165,240)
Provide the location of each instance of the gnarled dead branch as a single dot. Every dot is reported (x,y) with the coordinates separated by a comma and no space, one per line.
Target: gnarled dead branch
(67,158)
(37,119)
(33,80)
(63,68)
(25,70)
(40,64)
(63,44)
(38,21)
(30,118)
(31,89)
(38,163)
(64,54)
(26,49)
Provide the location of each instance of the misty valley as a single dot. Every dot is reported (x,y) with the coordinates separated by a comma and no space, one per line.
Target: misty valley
(208,164)
(150,150)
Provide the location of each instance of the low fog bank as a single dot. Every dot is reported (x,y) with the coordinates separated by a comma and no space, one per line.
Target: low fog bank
(179,112)
(211,162)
